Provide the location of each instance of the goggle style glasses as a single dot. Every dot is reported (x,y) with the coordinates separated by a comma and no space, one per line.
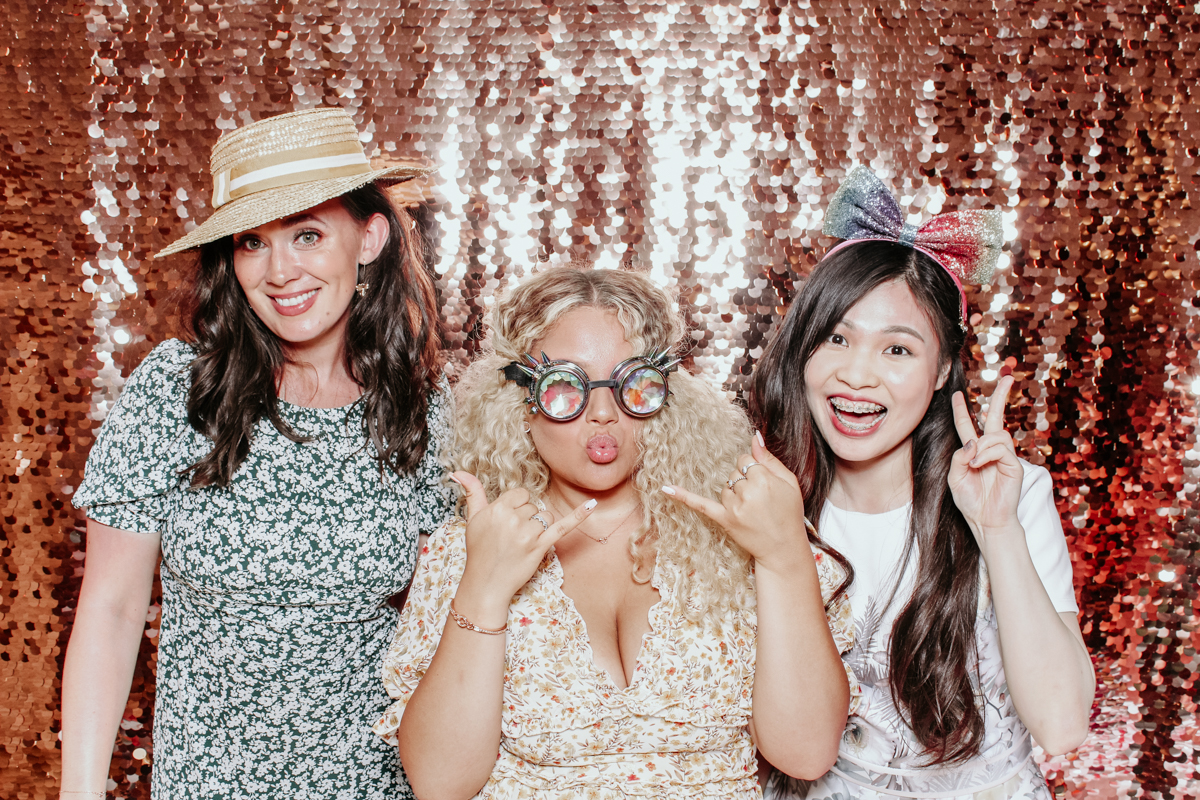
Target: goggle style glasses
(560,389)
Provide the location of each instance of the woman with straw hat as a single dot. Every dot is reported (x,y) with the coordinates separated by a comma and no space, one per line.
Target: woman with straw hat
(281,464)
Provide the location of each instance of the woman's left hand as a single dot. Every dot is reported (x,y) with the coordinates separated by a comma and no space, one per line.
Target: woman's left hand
(985,474)
(763,510)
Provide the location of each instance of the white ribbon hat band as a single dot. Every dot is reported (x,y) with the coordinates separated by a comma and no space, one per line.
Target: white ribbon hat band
(282,165)
(304,170)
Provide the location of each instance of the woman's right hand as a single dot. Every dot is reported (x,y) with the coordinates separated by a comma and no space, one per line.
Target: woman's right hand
(103,651)
(505,545)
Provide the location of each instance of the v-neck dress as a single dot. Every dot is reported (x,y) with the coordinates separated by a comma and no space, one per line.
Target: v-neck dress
(275,589)
(567,731)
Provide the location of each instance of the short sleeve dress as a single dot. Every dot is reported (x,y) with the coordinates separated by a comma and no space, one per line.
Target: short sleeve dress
(879,757)
(274,611)
(679,730)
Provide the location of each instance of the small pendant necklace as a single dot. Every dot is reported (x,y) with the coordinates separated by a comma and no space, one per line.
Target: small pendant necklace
(620,524)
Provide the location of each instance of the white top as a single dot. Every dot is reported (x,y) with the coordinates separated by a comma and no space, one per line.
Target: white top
(878,756)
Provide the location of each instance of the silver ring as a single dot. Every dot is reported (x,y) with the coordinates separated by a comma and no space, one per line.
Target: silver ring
(538,517)
(735,480)
(746,468)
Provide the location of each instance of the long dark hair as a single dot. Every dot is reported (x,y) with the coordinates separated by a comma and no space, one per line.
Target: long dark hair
(933,638)
(392,350)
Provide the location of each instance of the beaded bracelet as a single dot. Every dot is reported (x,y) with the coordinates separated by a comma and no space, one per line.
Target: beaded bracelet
(463,622)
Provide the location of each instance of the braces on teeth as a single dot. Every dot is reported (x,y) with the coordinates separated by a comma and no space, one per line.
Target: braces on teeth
(855,407)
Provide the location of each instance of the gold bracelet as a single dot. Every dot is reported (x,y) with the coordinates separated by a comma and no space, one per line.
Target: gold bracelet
(463,622)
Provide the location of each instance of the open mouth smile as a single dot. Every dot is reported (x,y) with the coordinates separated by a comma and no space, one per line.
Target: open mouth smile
(856,417)
(292,305)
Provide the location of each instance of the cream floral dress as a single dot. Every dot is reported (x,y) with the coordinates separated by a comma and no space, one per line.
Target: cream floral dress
(567,731)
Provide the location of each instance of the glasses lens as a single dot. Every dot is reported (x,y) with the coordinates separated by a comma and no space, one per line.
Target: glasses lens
(561,394)
(644,391)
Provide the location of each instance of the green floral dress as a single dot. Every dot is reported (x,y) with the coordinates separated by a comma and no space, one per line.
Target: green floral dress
(274,613)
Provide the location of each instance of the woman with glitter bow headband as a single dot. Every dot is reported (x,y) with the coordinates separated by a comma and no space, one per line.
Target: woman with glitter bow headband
(966,638)
(582,633)
(282,463)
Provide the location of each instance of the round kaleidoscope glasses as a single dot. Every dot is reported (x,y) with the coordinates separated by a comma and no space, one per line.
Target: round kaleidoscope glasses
(560,389)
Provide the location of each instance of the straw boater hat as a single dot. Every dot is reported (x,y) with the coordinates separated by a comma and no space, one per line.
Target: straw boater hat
(281,166)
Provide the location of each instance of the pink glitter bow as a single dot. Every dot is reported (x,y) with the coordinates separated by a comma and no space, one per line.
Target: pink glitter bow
(966,243)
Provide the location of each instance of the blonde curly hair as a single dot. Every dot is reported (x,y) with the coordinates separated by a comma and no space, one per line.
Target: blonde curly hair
(694,442)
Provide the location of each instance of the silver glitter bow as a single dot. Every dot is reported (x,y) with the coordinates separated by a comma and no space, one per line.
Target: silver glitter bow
(966,243)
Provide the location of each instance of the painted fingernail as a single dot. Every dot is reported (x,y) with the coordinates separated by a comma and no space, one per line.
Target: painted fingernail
(590,504)
(669,490)
(758,436)
(456,480)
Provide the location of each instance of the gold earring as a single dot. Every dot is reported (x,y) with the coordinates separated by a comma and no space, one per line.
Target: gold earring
(361,288)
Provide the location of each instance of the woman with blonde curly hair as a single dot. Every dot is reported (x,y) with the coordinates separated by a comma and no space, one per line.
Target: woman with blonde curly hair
(631,606)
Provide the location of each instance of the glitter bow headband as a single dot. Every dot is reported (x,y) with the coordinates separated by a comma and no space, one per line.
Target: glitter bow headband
(966,243)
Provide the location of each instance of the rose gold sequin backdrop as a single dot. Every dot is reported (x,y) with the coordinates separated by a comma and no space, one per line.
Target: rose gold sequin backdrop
(697,141)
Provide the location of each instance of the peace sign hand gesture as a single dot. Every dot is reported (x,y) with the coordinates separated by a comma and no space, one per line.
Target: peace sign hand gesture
(985,474)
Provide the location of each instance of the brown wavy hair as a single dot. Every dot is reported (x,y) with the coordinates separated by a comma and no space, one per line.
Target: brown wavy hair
(392,350)
(932,648)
